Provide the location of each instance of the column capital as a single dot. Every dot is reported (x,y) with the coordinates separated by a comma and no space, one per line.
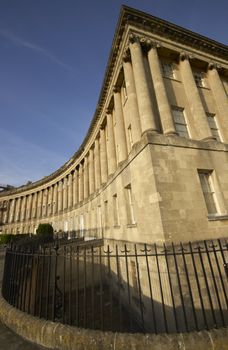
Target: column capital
(133,38)
(183,56)
(149,44)
(102,127)
(186,56)
(116,89)
(127,55)
(146,42)
(108,110)
(212,65)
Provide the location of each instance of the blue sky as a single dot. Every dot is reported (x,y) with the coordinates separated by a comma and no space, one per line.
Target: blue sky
(53,55)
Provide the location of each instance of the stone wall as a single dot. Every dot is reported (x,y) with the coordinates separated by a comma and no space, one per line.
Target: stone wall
(57,336)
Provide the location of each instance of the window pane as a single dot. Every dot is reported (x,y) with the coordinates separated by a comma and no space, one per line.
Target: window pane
(178,118)
(213,126)
(183,134)
(212,122)
(179,121)
(208,192)
(198,79)
(215,134)
(181,127)
(167,69)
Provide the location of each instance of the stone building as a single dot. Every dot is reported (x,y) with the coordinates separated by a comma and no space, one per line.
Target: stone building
(153,165)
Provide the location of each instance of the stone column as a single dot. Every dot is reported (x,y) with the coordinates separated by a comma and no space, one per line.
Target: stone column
(60,196)
(146,112)
(194,99)
(65,180)
(103,156)
(45,202)
(75,187)
(26,207)
(23,206)
(1,211)
(80,184)
(40,194)
(50,200)
(12,210)
(120,127)
(17,209)
(160,91)
(29,206)
(86,178)
(70,191)
(9,211)
(6,212)
(55,199)
(34,205)
(111,149)
(9,202)
(132,100)
(91,172)
(221,99)
(97,165)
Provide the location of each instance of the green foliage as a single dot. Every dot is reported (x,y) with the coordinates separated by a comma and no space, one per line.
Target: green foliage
(6,238)
(45,232)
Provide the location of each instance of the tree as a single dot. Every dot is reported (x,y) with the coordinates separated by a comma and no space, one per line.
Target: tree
(45,232)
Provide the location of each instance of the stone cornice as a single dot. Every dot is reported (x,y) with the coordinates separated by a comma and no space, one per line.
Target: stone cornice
(174,32)
(140,20)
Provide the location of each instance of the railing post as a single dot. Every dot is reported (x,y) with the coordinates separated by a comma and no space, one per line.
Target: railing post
(56,247)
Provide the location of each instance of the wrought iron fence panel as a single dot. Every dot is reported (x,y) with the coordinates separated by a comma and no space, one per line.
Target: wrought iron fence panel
(133,288)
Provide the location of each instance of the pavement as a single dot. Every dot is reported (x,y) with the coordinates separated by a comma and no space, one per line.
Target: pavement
(8,339)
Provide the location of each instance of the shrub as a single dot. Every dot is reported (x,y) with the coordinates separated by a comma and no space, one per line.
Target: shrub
(5,238)
(45,232)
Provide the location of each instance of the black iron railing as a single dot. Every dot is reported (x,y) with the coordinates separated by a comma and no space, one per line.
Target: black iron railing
(143,288)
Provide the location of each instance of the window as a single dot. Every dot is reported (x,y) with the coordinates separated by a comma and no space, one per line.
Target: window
(199,79)
(213,126)
(207,186)
(180,122)
(130,208)
(167,69)
(115,210)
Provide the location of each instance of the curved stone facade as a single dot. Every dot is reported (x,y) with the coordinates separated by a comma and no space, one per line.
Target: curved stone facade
(153,165)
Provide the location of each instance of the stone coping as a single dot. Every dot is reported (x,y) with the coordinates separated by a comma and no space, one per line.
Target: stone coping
(54,335)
